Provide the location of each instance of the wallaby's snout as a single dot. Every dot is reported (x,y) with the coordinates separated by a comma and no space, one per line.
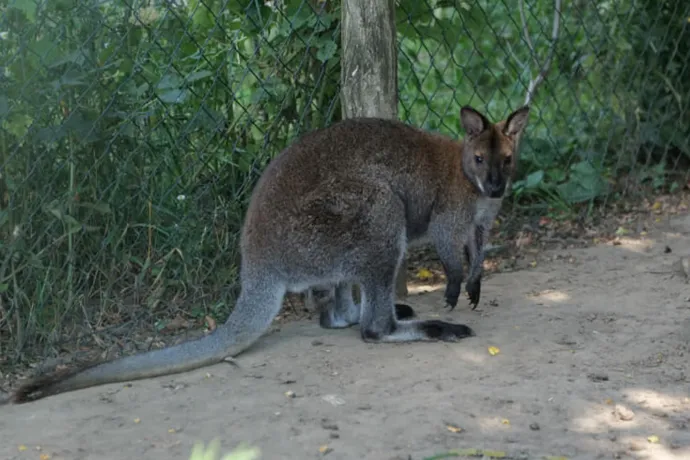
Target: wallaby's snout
(496,184)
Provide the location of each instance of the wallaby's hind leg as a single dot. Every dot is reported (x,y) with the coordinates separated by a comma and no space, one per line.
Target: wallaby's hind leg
(342,311)
(378,319)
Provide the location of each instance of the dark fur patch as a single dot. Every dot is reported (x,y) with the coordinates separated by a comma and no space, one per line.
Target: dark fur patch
(404,311)
(441,330)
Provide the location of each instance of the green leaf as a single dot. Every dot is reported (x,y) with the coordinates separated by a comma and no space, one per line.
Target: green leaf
(169,81)
(4,106)
(28,7)
(534,179)
(326,51)
(174,96)
(195,76)
(17,125)
(4,287)
(103,208)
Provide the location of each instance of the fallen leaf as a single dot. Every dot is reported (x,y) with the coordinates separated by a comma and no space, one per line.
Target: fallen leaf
(608,401)
(656,205)
(171,430)
(21,448)
(211,323)
(493,351)
(324,449)
(290,394)
(654,439)
(505,421)
(622,231)
(533,264)
(44,457)
(453,428)
(137,420)
(424,274)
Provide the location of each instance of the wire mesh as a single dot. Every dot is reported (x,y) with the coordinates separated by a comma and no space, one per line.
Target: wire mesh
(132,131)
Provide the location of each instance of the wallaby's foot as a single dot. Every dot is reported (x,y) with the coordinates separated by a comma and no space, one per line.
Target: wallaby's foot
(379,322)
(447,332)
(404,311)
(474,288)
(413,331)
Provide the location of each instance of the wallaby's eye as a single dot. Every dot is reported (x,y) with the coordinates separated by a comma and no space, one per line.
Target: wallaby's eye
(508,160)
(479,159)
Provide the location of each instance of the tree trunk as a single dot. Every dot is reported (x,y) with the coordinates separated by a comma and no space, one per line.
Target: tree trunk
(369,70)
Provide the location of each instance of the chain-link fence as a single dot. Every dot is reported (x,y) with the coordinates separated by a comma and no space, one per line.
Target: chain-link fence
(132,132)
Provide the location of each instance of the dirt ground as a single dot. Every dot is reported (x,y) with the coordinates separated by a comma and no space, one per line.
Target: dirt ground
(594,362)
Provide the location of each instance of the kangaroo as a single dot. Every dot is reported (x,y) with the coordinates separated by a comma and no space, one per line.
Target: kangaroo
(336,208)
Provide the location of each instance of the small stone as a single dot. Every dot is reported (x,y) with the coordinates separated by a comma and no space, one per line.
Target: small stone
(636,446)
(290,394)
(623,413)
(596,377)
(534,426)
(334,435)
(326,425)
(316,343)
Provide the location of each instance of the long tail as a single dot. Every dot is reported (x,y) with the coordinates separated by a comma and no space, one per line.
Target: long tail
(251,317)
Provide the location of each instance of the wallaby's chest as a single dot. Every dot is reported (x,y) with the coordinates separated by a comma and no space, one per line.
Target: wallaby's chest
(486,211)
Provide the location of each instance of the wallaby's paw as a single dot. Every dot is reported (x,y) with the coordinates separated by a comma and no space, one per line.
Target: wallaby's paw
(452,294)
(474,289)
(447,332)
(404,311)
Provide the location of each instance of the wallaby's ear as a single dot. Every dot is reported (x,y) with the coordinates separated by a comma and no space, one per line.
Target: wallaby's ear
(516,122)
(473,122)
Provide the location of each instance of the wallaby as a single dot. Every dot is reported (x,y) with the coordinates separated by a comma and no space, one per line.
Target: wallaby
(335,208)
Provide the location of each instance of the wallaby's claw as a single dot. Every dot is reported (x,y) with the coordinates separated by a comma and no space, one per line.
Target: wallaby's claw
(474,289)
(452,295)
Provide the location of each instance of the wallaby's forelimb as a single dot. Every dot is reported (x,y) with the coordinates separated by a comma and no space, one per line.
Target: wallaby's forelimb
(450,251)
(476,253)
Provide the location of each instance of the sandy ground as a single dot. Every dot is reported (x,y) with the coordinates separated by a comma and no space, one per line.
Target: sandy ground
(594,360)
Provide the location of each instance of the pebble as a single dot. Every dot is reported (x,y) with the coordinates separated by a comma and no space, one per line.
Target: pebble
(534,426)
(623,413)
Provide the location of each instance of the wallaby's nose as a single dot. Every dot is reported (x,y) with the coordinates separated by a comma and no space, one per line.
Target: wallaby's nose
(496,192)
(496,185)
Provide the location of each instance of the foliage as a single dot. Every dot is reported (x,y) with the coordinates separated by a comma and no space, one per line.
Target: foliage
(132,132)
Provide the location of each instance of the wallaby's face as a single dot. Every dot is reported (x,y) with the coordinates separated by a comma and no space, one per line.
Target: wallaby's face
(490,150)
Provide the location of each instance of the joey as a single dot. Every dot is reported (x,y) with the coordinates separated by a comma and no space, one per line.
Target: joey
(337,208)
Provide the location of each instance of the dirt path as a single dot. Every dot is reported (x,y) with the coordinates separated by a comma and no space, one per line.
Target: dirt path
(580,332)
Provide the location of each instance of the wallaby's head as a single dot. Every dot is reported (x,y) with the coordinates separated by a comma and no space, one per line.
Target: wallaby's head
(490,150)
